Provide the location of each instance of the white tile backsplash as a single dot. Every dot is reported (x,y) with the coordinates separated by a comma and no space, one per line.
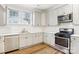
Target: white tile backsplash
(18,29)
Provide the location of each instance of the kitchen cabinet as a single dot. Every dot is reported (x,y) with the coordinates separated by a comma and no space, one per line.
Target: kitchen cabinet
(65,9)
(52,18)
(75,44)
(37,38)
(2,16)
(68,9)
(25,40)
(1,44)
(59,12)
(36,18)
(76,14)
(49,39)
(44,18)
(11,42)
(52,14)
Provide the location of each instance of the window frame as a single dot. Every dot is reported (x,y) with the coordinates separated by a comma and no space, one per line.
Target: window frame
(20,17)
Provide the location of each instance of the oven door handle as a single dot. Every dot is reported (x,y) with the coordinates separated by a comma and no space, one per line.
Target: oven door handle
(61,37)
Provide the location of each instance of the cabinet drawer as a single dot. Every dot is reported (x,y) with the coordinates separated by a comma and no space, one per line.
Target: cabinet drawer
(75,39)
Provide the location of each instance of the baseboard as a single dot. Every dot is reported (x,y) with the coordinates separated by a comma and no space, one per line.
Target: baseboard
(10,51)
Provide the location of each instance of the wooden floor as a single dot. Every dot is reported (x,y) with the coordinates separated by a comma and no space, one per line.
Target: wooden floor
(38,49)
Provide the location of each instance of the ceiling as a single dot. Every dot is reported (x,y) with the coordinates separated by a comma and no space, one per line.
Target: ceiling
(32,6)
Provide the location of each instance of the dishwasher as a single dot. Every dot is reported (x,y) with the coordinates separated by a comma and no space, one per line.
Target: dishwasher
(11,43)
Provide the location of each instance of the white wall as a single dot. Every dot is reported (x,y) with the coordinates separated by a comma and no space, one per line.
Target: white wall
(18,29)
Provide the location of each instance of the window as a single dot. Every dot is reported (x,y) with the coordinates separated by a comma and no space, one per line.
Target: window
(13,16)
(19,17)
(26,17)
(13,13)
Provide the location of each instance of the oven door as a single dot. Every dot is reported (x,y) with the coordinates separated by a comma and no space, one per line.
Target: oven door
(61,41)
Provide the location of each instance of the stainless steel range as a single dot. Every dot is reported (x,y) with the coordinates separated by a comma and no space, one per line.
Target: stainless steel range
(62,39)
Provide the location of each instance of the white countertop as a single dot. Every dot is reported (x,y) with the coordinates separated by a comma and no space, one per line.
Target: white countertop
(5,34)
(76,35)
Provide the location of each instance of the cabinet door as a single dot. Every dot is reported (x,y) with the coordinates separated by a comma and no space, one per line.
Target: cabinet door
(59,12)
(75,45)
(2,16)
(52,40)
(25,40)
(1,47)
(52,18)
(43,18)
(49,39)
(37,38)
(37,18)
(68,9)
(76,14)
(11,43)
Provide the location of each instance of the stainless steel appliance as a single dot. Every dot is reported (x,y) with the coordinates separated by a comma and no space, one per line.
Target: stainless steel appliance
(65,18)
(62,39)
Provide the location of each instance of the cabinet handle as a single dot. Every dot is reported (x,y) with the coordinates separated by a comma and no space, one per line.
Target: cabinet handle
(73,38)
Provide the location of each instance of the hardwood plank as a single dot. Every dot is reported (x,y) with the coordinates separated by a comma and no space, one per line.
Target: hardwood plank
(30,50)
(38,49)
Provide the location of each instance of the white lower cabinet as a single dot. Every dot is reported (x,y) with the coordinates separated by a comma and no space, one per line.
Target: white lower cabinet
(11,43)
(75,45)
(1,47)
(49,39)
(37,38)
(25,41)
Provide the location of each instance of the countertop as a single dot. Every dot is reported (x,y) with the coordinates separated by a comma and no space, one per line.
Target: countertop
(7,34)
(75,35)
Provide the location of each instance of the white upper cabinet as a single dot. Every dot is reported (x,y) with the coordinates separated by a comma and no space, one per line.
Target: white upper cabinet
(43,18)
(36,18)
(68,9)
(52,18)
(54,13)
(76,14)
(2,16)
(65,9)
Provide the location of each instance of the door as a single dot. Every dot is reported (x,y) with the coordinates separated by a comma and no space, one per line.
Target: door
(10,43)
